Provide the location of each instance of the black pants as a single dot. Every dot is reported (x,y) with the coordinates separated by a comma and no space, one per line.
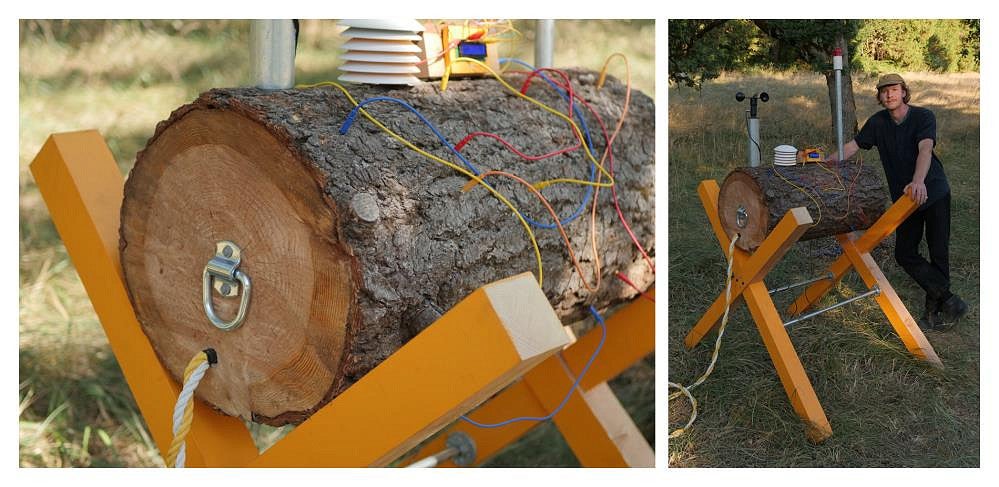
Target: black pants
(933,275)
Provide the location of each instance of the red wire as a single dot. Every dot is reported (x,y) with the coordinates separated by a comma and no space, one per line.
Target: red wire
(513,149)
(628,282)
(609,154)
(610,166)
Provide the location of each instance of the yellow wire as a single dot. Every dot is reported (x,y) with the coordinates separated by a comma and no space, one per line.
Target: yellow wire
(842,187)
(469,174)
(185,425)
(817,205)
(575,128)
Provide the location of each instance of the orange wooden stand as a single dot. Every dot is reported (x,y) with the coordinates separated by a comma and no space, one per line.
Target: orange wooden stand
(749,271)
(500,333)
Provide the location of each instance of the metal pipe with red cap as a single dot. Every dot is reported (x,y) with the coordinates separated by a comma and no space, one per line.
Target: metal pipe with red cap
(838,67)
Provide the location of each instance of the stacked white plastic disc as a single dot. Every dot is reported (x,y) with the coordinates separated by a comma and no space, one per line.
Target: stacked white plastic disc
(785,155)
(381,51)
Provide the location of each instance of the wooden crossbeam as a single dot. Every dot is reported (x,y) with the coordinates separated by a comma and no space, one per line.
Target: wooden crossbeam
(630,336)
(883,227)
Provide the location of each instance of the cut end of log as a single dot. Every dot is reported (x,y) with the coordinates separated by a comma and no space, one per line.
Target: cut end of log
(743,210)
(215,175)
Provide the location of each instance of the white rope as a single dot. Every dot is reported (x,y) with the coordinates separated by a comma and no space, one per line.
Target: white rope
(685,390)
(186,394)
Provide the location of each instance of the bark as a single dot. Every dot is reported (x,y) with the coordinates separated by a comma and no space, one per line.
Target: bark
(357,242)
(840,198)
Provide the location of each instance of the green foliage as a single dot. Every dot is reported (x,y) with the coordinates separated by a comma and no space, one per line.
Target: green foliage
(804,44)
(699,50)
(917,45)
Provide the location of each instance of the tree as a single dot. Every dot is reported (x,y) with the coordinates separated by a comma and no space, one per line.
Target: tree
(700,49)
(811,43)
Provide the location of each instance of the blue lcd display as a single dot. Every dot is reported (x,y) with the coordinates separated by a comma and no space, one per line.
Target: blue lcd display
(475,50)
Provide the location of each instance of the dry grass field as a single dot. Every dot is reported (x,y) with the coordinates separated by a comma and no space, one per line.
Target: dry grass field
(886,408)
(121,78)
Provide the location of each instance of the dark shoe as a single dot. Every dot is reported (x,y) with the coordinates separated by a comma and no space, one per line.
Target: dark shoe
(953,309)
(932,321)
(931,314)
(932,306)
(935,323)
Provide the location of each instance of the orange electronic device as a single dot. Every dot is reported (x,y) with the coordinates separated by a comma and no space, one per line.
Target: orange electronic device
(811,154)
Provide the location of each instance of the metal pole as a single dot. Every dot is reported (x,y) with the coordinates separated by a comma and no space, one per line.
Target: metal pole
(754,140)
(460,447)
(272,54)
(802,283)
(875,291)
(433,460)
(544,43)
(838,67)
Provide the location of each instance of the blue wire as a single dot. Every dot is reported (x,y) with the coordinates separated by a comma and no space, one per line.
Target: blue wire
(586,133)
(563,93)
(352,117)
(603,337)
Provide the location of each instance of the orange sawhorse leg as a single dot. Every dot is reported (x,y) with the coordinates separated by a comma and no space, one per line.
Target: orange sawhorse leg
(83,188)
(913,338)
(873,236)
(479,346)
(856,255)
(749,270)
(792,375)
(630,336)
(746,268)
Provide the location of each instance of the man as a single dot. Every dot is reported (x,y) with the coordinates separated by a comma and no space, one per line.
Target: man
(905,136)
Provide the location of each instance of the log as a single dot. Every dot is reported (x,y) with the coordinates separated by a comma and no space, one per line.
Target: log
(355,243)
(840,197)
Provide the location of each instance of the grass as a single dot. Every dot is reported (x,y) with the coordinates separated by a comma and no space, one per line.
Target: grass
(886,408)
(121,78)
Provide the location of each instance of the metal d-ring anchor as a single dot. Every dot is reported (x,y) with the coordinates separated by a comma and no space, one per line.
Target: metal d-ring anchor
(222,272)
(741,217)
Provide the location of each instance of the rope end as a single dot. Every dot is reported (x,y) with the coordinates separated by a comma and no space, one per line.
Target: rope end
(212,355)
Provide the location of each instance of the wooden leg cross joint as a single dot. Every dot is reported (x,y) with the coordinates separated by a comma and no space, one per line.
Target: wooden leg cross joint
(504,339)
(751,269)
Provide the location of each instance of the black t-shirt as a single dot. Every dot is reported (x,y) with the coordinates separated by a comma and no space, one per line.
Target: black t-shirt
(898,145)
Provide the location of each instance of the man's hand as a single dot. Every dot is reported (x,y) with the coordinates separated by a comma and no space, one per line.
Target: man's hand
(916,191)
